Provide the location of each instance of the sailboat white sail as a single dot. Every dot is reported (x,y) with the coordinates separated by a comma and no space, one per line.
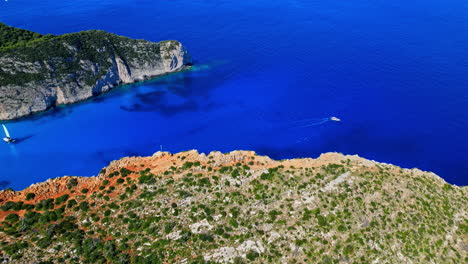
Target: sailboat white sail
(6,131)
(7,137)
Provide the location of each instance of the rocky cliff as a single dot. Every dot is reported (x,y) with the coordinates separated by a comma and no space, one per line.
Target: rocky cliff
(40,71)
(237,207)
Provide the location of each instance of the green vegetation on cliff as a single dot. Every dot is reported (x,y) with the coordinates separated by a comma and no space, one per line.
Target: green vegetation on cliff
(10,36)
(41,71)
(66,52)
(241,208)
(92,45)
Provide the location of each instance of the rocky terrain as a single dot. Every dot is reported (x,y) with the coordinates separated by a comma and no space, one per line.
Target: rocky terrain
(237,208)
(38,72)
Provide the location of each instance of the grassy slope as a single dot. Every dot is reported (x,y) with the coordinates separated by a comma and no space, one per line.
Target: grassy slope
(328,210)
(10,36)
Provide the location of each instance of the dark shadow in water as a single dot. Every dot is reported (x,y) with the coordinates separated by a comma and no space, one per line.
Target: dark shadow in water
(155,97)
(61,111)
(4,184)
(22,139)
(189,83)
(158,101)
(166,110)
(179,83)
(172,94)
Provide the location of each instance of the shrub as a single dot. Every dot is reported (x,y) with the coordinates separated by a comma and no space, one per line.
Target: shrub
(12,206)
(30,196)
(147,179)
(187,165)
(113,174)
(43,242)
(46,204)
(71,203)
(84,206)
(125,172)
(322,221)
(28,206)
(114,206)
(48,216)
(252,255)
(72,183)
(168,227)
(266,176)
(206,237)
(62,199)
(224,169)
(235,173)
(273,214)
(233,223)
(12,218)
(348,250)
(204,182)
(31,217)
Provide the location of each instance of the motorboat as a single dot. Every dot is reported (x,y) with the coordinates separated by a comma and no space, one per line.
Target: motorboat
(336,119)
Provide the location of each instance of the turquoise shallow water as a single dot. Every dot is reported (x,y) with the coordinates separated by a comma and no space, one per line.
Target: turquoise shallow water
(394,72)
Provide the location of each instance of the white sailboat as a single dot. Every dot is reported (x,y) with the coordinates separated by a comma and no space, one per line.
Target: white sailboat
(7,137)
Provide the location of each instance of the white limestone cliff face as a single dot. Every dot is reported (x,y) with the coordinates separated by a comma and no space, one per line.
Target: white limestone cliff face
(173,57)
(145,60)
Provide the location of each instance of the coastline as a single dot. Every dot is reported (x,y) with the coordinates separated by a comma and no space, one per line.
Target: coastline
(161,161)
(38,114)
(332,197)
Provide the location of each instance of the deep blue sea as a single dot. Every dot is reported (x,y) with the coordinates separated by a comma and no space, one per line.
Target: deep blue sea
(267,75)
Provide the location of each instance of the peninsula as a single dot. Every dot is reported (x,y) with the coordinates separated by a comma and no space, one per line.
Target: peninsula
(38,72)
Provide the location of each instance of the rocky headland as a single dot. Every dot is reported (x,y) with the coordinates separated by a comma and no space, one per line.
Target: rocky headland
(237,207)
(38,72)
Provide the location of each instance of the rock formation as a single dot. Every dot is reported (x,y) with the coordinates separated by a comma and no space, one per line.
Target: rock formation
(45,71)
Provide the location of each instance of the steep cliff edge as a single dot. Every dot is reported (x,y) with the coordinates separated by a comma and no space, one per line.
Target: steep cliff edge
(237,207)
(40,71)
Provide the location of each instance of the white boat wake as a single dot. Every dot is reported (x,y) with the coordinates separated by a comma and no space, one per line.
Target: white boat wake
(314,121)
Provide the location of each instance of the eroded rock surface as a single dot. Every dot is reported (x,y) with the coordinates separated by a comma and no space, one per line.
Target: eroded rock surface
(66,69)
